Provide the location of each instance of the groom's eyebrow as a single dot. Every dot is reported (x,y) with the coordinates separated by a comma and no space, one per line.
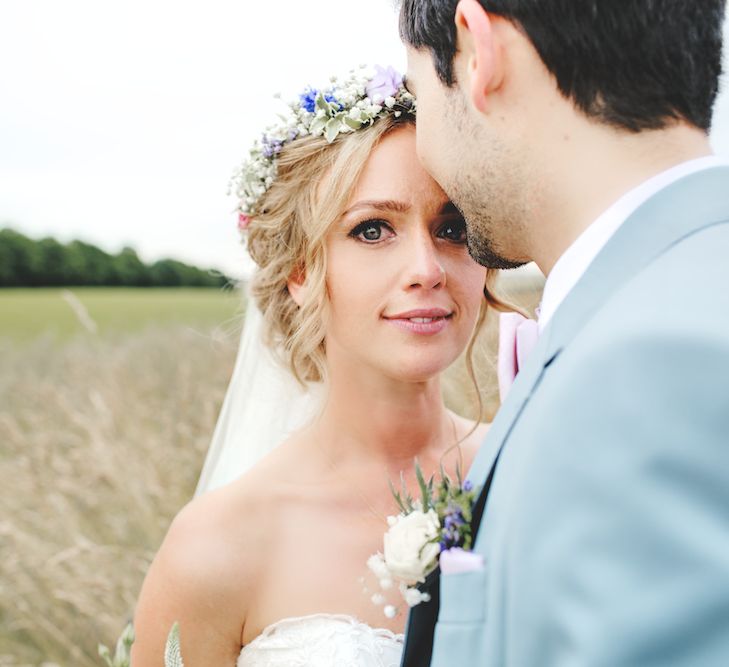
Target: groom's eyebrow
(379,205)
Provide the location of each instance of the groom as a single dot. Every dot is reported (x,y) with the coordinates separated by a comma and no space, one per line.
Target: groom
(574,134)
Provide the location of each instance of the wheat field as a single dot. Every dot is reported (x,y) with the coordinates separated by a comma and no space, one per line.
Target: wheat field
(102,438)
(101,443)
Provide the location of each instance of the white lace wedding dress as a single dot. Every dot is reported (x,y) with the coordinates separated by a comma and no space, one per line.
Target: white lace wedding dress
(322,640)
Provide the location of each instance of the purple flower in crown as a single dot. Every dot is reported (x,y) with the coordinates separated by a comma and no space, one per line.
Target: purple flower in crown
(386,82)
(308,99)
(270,147)
(343,106)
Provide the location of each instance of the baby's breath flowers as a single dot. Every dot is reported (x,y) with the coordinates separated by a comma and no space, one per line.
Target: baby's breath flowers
(345,105)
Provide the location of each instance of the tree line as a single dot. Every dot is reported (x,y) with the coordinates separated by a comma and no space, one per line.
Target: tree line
(25,262)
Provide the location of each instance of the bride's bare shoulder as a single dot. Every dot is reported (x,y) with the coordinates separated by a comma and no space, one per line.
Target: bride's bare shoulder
(216,526)
(226,528)
(205,572)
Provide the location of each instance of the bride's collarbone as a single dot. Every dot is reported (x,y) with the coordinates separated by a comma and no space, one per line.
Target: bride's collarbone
(318,564)
(319,532)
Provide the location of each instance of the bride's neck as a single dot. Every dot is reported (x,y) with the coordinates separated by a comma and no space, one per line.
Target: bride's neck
(368,415)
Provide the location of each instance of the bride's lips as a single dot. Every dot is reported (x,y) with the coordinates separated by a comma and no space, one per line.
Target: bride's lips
(423,321)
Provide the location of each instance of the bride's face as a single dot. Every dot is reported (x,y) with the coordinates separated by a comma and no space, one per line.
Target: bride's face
(404,292)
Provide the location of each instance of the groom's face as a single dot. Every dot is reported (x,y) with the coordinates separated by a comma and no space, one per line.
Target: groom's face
(473,161)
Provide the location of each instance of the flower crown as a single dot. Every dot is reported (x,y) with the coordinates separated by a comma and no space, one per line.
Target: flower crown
(345,106)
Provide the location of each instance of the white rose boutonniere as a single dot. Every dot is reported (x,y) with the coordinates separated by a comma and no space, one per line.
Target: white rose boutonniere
(439,521)
(410,546)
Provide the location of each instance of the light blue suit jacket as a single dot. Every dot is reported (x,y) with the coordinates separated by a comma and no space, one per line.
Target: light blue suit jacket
(606,531)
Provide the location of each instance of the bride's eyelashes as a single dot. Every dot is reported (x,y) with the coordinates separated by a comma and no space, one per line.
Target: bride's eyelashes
(453,231)
(375,231)
(372,231)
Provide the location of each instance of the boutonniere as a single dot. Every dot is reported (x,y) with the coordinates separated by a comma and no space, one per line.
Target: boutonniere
(437,522)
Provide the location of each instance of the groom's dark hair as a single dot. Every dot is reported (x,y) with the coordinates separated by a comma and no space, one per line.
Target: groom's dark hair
(634,64)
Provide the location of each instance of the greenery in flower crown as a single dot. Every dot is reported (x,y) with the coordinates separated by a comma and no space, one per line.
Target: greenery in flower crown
(344,106)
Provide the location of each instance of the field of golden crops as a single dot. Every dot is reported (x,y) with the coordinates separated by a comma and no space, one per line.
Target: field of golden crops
(102,437)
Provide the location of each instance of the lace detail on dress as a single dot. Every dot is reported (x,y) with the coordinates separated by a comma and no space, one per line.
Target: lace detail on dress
(322,640)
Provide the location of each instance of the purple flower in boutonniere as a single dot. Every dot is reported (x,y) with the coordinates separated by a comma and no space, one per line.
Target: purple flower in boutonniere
(439,522)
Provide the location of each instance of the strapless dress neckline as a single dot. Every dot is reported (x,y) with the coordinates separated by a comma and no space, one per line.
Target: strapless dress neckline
(322,640)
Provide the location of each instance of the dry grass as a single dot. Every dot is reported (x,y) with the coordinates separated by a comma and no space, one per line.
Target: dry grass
(101,443)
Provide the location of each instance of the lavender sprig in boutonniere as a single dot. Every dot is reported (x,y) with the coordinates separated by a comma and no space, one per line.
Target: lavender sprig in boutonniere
(425,528)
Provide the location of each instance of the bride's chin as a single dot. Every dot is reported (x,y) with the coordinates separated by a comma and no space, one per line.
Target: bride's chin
(420,370)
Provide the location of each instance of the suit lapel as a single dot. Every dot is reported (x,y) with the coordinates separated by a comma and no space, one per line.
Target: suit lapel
(507,414)
(691,203)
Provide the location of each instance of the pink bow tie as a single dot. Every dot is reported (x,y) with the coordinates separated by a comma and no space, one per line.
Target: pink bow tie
(517,338)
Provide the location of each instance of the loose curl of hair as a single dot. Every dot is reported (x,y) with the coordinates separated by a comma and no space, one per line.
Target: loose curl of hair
(287,239)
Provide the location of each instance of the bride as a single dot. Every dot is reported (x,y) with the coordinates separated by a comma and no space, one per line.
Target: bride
(367,291)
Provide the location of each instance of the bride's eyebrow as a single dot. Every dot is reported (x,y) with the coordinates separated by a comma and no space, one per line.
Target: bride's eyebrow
(386,205)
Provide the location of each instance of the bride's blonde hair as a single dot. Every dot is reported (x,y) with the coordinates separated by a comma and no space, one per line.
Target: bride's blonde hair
(286,239)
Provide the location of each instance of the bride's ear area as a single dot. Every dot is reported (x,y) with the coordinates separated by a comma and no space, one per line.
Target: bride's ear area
(296,286)
(478,60)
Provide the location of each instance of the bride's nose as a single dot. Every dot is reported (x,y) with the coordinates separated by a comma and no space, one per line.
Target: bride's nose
(424,267)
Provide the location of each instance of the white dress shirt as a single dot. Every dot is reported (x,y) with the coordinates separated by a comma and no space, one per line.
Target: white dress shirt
(573,263)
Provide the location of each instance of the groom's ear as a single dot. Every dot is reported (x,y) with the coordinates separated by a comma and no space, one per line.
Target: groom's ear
(480,68)
(297,286)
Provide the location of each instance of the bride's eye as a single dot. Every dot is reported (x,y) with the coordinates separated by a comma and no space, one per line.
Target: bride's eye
(454,231)
(371,231)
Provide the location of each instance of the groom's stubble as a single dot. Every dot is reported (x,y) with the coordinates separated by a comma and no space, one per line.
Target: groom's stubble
(489,181)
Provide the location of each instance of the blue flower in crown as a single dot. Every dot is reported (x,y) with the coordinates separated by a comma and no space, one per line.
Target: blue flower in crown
(308,99)
(347,105)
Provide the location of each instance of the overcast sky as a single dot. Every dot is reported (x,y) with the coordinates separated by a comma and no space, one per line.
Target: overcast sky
(120,122)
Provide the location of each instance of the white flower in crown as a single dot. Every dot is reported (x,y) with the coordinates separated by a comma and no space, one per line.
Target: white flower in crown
(346,105)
